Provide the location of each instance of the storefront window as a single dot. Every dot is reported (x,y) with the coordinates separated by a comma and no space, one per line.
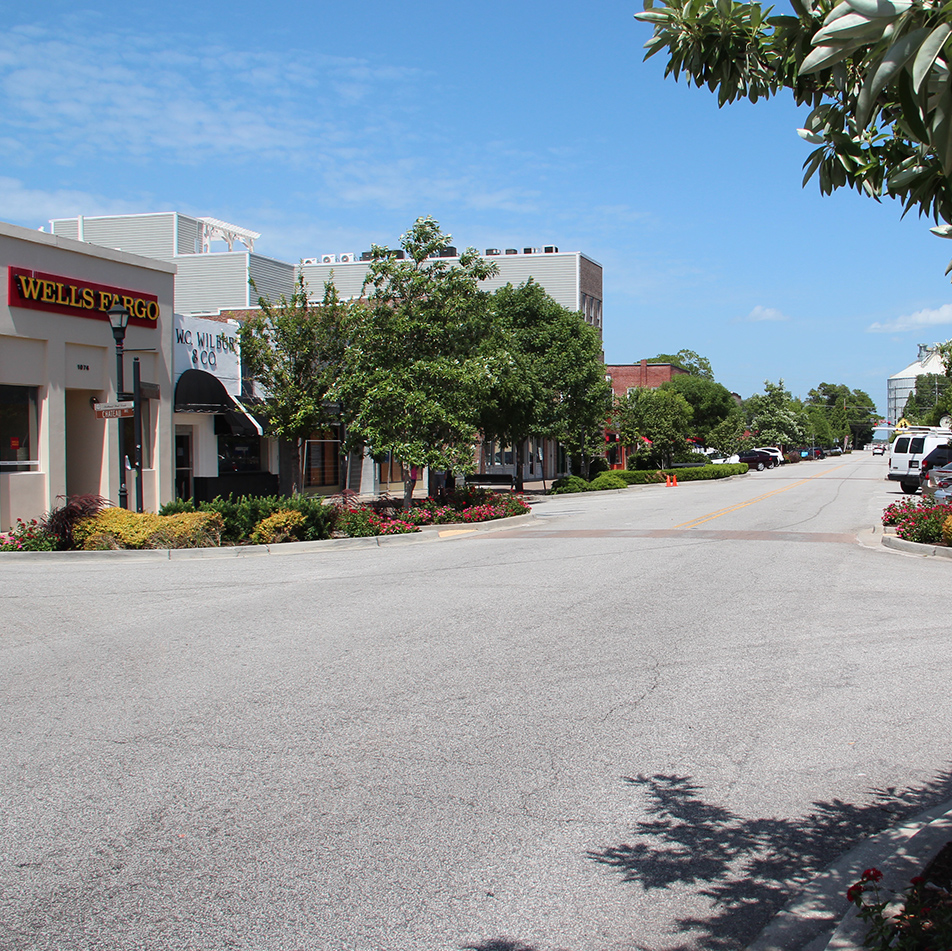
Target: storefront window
(239,454)
(18,428)
(322,461)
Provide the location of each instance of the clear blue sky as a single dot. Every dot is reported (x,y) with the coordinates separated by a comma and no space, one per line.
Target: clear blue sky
(329,126)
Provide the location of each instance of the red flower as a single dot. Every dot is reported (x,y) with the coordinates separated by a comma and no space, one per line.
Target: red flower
(872,875)
(853,892)
(918,880)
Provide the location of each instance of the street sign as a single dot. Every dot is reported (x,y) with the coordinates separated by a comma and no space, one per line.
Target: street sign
(115,410)
(149,391)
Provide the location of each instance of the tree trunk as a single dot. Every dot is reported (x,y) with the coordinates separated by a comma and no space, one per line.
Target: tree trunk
(409,483)
(518,457)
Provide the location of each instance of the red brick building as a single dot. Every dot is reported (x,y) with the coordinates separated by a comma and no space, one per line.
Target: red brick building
(624,377)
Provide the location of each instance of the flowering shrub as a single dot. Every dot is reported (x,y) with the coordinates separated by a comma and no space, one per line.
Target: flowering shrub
(470,505)
(895,512)
(27,536)
(924,524)
(917,920)
(283,526)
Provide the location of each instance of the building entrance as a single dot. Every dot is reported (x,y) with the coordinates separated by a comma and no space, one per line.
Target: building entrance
(85,442)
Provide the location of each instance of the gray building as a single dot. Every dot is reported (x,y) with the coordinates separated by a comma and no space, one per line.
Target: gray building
(206,281)
(571,278)
(900,386)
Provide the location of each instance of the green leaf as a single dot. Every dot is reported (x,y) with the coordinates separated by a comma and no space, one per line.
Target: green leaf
(881,8)
(852,26)
(811,137)
(911,112)
(811,165)
(894,59)
(824,56)
(927,54)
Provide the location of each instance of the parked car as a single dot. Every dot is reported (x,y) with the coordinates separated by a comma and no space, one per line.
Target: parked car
(756,459)
(940,456)
(937,484)
(908,450)
(773,451)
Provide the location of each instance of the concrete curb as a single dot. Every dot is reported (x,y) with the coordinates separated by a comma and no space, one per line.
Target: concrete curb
(427,533)
(821,919)
(915,548)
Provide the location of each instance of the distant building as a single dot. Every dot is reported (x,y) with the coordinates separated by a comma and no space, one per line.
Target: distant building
(626,376)
(215,284)
(573,279)
(901,385)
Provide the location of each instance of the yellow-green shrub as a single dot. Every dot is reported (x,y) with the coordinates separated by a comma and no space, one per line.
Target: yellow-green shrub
(283,526)
(120,528)
(947,531)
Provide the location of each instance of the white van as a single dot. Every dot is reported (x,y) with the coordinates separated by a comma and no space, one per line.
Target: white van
(907,451)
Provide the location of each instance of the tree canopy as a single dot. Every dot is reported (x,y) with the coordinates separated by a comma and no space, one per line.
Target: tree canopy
(416,368)
(548,378)
(654,422)
(774,418)
(874,72)
(293,349)
(688,360)
(841,415)
(711,403)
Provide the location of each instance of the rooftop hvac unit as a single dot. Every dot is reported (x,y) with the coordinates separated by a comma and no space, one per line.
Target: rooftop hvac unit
(448,252)
(551,249)
(309,260)
(532,250)
(347,258)
(366,255)
(492,252)
(328,259)
(511,251)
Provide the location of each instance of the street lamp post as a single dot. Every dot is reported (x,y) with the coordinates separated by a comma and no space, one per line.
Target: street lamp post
(119,319)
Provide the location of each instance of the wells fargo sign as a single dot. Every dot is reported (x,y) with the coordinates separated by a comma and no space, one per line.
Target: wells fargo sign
(68,295)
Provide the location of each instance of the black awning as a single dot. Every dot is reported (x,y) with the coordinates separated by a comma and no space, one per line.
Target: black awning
(200,392)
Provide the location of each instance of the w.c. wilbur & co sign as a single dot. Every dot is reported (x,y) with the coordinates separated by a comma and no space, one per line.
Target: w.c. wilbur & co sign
(69,295)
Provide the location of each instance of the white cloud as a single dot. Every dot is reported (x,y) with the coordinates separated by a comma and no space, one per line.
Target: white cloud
(921,318)
(762,314)
(33,207)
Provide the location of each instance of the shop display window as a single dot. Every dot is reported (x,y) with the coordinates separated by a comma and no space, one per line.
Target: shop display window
(18,428)
(239,454)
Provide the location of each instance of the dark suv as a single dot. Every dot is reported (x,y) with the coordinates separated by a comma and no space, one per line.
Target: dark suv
(756,459)
(940,456)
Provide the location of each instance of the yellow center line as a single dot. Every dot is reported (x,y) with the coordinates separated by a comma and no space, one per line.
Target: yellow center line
(740,505)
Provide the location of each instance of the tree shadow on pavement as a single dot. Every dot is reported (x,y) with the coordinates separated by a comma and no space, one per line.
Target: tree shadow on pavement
(749,868)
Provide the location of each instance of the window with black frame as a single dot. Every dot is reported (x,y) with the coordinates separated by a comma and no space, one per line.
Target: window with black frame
(18,428)
(239,454)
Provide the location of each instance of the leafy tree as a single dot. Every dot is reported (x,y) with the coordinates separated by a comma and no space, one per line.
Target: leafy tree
(688,360)
(929,401)
(548,376)
(850,415)
(711,402)
(293,349)
(583,397)
(416,370)
(774,418)
(874,72)
(655,422)
(726,436)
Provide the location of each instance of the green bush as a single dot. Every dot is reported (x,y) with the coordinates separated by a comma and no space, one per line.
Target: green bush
(120,528)
(28,536)
(242,515)
(607,480)
(569,484)
(700,473)
(639,476)
(284,526)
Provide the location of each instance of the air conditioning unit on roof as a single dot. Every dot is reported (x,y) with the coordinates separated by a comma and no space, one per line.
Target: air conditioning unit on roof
(328,259)
(308,260)
(348,258)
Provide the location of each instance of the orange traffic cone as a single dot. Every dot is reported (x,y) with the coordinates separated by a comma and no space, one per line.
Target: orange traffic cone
(674,479)
(667,479)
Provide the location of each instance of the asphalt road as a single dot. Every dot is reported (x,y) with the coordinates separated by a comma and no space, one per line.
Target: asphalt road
(635,722)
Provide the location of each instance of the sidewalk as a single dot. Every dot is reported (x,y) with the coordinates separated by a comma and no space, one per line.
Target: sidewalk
(821,919)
